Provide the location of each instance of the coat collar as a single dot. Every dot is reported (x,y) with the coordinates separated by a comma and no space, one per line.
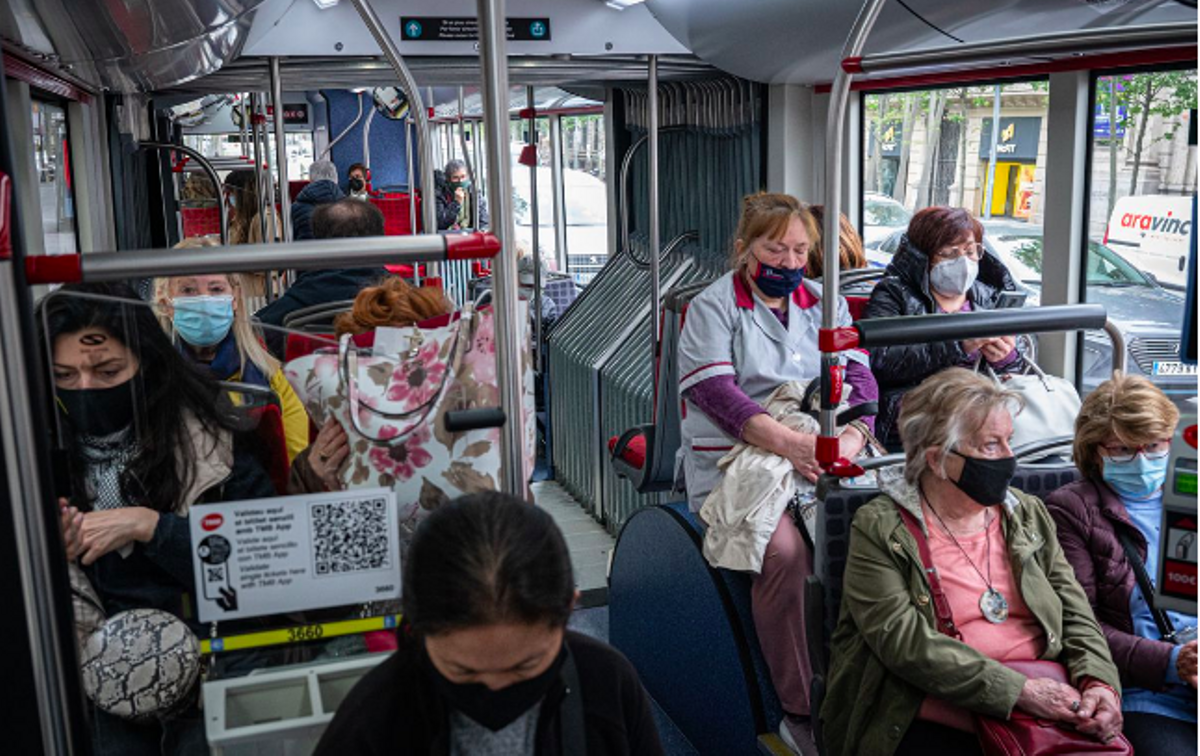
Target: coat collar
(212,456)
(892,482)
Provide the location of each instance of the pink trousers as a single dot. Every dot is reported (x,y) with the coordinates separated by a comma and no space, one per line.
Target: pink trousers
(777,602)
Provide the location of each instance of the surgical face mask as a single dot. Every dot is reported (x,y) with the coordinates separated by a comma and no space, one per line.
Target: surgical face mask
(98,412)
(357,184)
(985,480)
(464,184)
(776,282)
(203,321)
(1137,478)
(496,709)
(954,277)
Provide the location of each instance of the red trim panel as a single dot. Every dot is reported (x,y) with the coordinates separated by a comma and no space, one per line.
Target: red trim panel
(42,79)
(827,450)
(844,468)
(527,113)
(1157,56)
(6,217)
(837,339)
(471,246)
(52,269)
(852,65)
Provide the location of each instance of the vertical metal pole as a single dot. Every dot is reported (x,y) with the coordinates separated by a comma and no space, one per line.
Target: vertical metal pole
(991,174)
(258,166)
(493,62)
(652,133)
(835,128)
(556,186)
(245,124)
(268,170)
(476,223)
(408,167)
(285,199)
(537,252)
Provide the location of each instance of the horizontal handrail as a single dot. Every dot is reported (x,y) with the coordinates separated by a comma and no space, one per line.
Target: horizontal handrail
(915,329)
(245,258)
(1020,452)
(1063,43)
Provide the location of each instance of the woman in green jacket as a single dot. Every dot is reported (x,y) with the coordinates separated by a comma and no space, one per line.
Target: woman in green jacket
(900,682)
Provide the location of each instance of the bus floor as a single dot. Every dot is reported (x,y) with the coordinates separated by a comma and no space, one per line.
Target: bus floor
(589,543)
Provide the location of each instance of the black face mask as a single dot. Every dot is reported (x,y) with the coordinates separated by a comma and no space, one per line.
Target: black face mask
(496,709)
(356,184)
(98,412)
(986,480)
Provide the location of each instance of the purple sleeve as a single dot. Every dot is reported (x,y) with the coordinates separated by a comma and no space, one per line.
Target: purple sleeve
(724,402)
(862,380)
(1007,360)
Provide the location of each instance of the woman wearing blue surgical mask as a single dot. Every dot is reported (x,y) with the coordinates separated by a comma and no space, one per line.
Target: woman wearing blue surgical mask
(1109,526)
(941,266)
(209,320)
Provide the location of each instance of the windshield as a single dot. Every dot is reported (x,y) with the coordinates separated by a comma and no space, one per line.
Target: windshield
(1104,267)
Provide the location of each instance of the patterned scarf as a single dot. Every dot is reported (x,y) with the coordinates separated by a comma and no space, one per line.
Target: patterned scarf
(107,457)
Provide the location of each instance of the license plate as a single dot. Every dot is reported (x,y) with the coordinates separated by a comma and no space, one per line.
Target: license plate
(1173,368)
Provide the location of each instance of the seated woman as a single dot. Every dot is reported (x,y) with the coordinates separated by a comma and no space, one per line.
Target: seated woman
(750,332)
(851,255)
(486,664)
(145,443)
(209,316)
(395,303)
(1106,523)
(901,679)
(940,267)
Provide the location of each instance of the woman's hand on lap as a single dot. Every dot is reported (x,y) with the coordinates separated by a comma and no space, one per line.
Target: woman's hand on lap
(1101,713)
(802,453)
(71,521)
(329,451)
(1185,664)
(1048,699)
(113,529)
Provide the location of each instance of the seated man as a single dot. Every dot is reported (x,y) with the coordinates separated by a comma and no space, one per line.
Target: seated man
(322,189)
(454,197)
(344,219)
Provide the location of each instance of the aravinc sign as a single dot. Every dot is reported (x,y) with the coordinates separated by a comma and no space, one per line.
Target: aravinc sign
(1017,141)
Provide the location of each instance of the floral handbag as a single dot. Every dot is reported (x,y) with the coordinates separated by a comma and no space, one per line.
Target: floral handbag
(392,400)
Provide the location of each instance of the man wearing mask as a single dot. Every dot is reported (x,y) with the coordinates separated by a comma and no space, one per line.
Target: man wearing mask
(454,198)
(357,182)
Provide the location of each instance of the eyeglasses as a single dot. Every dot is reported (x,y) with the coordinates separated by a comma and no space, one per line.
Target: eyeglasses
(1122,453)
(970,251)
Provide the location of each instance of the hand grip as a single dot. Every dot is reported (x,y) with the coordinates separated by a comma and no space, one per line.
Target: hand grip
(459,421)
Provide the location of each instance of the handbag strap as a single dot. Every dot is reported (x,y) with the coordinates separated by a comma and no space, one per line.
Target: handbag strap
(941,604)
(572,729)
(1165,627)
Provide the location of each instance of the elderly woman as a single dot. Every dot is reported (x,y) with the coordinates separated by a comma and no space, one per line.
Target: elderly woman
(903,681)
(1107,524)
(940,267)
(750,332)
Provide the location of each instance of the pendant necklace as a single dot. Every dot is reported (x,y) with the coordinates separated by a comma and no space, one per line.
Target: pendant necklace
(992,603)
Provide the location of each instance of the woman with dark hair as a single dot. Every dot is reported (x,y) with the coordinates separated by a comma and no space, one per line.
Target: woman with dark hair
(940,267)
(245,226)
(145,442)
(486,664)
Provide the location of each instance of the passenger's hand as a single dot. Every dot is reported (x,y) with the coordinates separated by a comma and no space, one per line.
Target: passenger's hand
(998,348)
(851,442)
(329,451)
(71,521)
(1048,699)
(113,529)
(1101,714)
(974,345)
(460,194)
(802,453)
(1185,664)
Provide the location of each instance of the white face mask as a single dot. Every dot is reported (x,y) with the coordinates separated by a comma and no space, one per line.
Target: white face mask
(954,277)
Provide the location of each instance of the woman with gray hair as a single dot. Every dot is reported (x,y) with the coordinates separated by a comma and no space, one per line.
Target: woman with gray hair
(954,584)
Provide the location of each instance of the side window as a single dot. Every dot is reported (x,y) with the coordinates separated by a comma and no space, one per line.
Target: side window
(586,206)
(51,155)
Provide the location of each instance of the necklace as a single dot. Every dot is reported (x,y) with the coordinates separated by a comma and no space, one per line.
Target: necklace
(992,603)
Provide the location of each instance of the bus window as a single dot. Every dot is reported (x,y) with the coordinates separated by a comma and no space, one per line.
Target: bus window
(53,165)
(1143,176)
(586,206)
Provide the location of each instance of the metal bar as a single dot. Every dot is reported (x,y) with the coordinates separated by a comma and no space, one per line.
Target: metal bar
(989,192)
(881,332)
(1118,345)
(306,255)
(245,125)
(409,85)
(536,252)
(1073,42)
(285,199)
(839,100)
(462,141)
(652,133)
(626,170)
(207,167)
(408,167)
(258,167)
(493,44)
(560,201)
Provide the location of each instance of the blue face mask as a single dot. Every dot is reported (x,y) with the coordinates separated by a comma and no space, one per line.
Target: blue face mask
(203,321)
(1137,478)
(777,282)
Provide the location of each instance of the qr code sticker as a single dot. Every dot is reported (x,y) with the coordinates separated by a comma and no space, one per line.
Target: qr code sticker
(349,536)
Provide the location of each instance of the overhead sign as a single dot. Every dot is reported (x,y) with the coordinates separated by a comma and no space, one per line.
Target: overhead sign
(294,113)
(293,553)
(890,138)
(1017,141)
(466,29)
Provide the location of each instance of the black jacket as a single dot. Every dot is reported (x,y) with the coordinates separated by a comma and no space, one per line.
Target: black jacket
(395,709)
(905,291)
(448,206)
(313,287)
(316,193)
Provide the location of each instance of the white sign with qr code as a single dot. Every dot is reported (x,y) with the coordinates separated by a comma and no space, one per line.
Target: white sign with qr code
(287,554)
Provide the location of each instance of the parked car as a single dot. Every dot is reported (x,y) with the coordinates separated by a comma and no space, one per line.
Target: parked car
(586,218)
(882,215)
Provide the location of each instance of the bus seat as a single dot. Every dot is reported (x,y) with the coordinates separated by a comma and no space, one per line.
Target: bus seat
(299,345)
(201,221)
(857,305)
(295,186)
(397,220)
(322,314)
(259,413)
(688,630)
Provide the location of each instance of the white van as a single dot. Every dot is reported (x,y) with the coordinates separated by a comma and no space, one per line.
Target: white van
(1154,233)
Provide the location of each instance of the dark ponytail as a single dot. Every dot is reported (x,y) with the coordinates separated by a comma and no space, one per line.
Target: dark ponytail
(484,559)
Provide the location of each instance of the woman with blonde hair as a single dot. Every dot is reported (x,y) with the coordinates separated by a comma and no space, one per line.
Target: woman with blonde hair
(211,322)
(1109,525)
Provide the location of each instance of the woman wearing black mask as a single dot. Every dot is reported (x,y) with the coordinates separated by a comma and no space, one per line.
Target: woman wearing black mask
(953,581)
(144,443)
(486,665)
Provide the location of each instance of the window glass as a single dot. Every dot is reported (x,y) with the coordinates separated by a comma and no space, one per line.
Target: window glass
(51,155)
(1143,179)
(586,196)
(522,196)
